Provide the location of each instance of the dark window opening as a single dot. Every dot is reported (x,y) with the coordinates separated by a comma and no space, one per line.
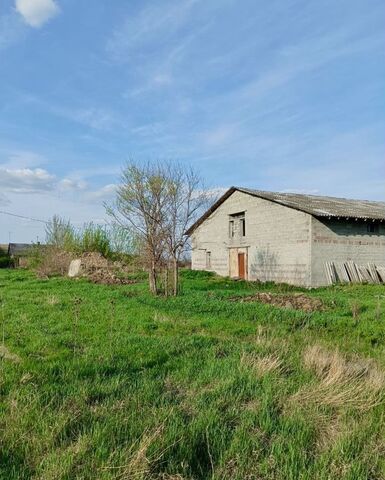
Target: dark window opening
(231,228)
(208,259)
(373,227)
(237,225)
(243,227)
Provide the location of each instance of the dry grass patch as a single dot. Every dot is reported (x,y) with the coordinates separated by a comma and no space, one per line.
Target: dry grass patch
(262,336)
(170,476)
(6,354)
(161,317)
(330,429)
(139,460)
(295,301)
(343,383)
(52,300)
(262,365)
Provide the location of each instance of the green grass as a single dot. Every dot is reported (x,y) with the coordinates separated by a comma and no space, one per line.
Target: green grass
(106,382)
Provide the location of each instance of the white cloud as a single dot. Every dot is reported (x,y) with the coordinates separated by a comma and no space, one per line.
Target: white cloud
(104,193)
(37,12)
(26,180)
(68,185)
(23,159)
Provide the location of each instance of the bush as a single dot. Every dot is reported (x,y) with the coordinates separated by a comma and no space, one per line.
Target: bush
(53,261)
(60,234)
(94,238)
(197,274)
(6,262)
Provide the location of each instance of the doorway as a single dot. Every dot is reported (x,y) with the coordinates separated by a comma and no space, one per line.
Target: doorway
(238,263)
(241,265)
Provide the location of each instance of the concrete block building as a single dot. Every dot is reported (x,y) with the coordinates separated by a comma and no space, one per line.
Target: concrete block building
(286,237)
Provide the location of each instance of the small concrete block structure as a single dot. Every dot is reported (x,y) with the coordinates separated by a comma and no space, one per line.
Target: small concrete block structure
(20,253)
(74,268)
(287,238)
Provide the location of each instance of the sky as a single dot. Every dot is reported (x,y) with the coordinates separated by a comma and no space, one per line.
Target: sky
(284,95)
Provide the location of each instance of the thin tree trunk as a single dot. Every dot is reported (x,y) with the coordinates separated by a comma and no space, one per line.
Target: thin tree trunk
(166,280)
(152,279)
(176,276)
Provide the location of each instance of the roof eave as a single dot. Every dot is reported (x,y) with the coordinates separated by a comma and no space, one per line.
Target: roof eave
(211,210)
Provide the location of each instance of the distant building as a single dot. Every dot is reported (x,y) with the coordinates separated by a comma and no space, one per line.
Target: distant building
(286,237)
(19,253)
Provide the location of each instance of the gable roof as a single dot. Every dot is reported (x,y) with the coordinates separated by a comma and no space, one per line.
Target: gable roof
(19,249)
(329,207)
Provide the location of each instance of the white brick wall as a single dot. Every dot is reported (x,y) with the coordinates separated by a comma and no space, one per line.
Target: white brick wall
(277,240)
(341,241)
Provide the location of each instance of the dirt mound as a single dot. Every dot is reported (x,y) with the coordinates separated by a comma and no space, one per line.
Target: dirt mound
(100,270)
(296,301)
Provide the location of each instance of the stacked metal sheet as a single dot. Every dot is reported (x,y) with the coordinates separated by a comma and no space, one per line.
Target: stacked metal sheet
(350,272)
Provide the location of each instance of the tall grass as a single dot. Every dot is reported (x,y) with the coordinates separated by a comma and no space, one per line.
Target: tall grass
(100,382)
(91,237)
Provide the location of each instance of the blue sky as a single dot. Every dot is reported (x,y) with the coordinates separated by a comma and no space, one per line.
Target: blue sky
(281,95)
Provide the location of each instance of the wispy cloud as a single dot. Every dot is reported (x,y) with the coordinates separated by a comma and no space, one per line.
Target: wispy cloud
(12,30)
(37,12)
(4,200)
(271,95)
(102,194)
(93,117)
(22,159)
(82,112)
(154,23)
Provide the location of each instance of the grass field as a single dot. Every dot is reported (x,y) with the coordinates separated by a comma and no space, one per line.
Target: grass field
(106,382)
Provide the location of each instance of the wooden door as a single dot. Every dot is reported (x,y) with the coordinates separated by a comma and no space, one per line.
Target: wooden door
(241,266)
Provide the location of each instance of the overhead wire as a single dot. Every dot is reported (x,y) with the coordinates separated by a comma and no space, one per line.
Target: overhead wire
(23,217)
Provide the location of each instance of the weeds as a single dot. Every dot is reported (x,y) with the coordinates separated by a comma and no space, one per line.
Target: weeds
(343,383)
(248,391)
(355,309)
(262,365)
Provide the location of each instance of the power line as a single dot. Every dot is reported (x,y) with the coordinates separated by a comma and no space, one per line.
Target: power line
(23,217)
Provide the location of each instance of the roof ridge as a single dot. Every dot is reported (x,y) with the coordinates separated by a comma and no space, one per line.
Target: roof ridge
(315,205)
(308,195)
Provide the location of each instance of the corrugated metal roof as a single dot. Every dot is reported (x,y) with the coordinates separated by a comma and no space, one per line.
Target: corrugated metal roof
(324,206)
(329,207)
(19,249)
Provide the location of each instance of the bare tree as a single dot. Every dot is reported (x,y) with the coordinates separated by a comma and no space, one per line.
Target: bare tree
(186,200)
(141,206)
(159,202)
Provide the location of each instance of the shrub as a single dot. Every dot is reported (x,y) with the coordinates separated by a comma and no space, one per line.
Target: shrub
(6,262)
(53,261)
(94,238)
(61,235)
(197,274)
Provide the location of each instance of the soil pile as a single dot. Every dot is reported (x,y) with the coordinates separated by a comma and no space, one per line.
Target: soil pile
(100,270)
(296,301)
